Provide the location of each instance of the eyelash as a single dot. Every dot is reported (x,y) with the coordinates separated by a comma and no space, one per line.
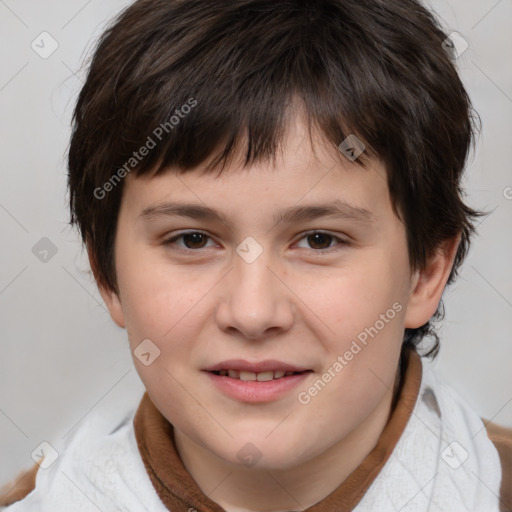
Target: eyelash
(171,241)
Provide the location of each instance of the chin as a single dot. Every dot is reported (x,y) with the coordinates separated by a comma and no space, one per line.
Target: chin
(253,452)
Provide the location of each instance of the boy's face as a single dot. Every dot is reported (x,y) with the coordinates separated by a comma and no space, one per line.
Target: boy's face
(310,302)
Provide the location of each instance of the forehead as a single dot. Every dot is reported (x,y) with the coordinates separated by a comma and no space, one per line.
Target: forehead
(307,170)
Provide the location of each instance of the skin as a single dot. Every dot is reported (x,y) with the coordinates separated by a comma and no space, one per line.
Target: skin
(302,301)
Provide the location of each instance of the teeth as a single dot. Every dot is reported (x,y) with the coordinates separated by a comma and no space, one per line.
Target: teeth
(252,376)
(265,376)
(247,376)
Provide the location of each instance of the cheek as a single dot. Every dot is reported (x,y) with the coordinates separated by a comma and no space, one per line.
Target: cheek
(351,298)
(364,309)
(156,296)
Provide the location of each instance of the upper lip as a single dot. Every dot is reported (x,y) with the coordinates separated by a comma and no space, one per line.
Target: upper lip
(263,366)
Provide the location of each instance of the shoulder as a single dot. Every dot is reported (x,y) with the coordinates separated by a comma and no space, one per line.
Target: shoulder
(19,488)
(502,440)
(88,454)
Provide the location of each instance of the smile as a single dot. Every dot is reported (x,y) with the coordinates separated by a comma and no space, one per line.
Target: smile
(252,376)
(256,387)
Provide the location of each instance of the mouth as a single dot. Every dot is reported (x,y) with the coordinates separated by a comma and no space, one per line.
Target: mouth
(264,381)
(247,376)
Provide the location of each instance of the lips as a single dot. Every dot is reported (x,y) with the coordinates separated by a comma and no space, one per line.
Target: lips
(269,365)
(259,382)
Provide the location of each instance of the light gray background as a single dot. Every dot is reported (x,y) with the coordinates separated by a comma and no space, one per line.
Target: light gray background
(62,356)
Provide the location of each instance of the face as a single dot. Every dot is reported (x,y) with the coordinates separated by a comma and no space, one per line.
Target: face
(270,284)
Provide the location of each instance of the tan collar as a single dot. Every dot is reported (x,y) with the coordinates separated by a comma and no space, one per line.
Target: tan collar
(179,491)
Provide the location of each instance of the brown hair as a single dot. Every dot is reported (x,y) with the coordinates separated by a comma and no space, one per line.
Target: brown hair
(192,80)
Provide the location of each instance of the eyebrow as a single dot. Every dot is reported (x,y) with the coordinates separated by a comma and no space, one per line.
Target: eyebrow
(335,209)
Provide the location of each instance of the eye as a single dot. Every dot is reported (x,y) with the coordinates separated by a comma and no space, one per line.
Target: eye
(320,241)
(192,240)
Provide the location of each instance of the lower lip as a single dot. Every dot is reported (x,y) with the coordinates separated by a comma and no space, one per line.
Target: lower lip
(255,391)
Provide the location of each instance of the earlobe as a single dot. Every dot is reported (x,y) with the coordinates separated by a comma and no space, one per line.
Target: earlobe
(429,283)
(113,303)
(110,298)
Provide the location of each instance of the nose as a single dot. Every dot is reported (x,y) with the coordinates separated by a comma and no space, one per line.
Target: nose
(255,302)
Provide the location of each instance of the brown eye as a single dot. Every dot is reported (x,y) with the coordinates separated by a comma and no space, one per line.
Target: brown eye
(188,242)
(194,240)
(320,240)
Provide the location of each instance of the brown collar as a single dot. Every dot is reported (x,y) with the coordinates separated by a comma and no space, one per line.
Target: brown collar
(179,491)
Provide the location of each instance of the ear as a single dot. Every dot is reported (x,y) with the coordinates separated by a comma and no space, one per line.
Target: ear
(428,284)
(110,297)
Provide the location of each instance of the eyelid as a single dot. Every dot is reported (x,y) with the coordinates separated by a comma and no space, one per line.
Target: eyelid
(341,241)
(171,241)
